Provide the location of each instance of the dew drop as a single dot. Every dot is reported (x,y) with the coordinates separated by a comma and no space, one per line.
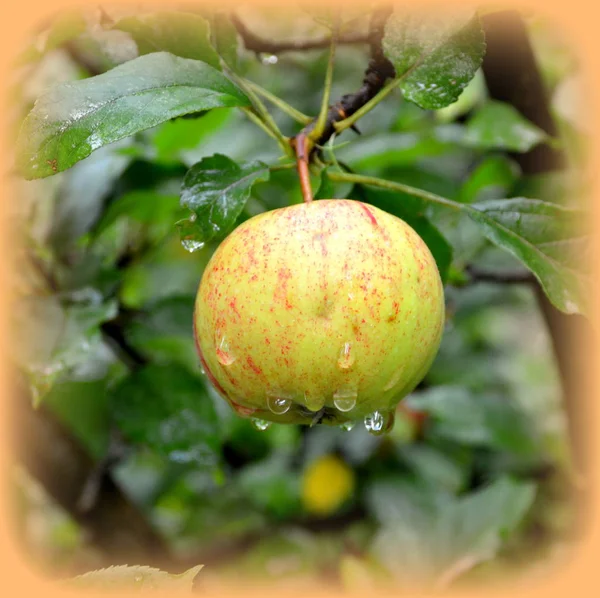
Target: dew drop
(278,404)
(395,378)
(346,359)
(378,423)
(191,245)
(224,356)
(344,399)
(313,403)
(347,426)
(260,424)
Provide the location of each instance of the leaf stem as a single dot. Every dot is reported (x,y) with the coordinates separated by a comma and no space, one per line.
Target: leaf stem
(342,125)
(257,120)
(298,116)
(260,111)
(393,186)
(278,167)
(321,121)
(302,150)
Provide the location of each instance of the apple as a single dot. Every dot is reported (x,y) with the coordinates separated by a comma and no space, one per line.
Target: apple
(325,312)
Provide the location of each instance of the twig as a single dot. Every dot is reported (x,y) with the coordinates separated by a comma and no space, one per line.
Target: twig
(379,71)
(257,44)
(520,277)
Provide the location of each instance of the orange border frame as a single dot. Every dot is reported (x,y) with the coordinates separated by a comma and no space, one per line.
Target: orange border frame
(577,21)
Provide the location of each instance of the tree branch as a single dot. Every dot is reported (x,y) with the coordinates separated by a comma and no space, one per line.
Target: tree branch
(512,76)
(379,71)
(260,45)
(53,457)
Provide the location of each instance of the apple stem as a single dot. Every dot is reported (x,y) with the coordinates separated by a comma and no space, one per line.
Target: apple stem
(301,146)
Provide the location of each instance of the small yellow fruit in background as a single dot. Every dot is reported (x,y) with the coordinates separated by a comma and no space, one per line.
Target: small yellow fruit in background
(327,484)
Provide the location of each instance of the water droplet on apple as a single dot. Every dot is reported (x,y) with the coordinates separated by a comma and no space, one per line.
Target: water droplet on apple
(313,403)
(191,245)
(260,424)
(344,399)
(395,378)
(378,423)
(224,355)
(347,426)
(278,404)
(346,359)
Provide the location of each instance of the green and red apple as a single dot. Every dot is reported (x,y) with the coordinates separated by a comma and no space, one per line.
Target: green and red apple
(324,312)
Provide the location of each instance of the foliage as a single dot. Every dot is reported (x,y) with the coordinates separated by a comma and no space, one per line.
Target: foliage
(162,149)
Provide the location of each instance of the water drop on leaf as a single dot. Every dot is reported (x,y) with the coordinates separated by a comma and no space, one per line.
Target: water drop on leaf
(191,245)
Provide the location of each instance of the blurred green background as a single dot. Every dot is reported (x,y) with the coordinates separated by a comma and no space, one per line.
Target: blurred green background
(473,482)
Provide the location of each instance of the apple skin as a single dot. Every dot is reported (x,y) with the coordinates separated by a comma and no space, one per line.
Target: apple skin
(314,306)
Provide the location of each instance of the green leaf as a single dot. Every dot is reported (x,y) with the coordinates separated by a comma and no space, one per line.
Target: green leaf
(144,207)
(82,406)
(72,120)
(493,178)
(433,533)
(477,420)
(136,578)
(57,338)
(411,211)
(167,408)
(216,190)
(224,38)
(162,332)
(436,57)
(182,34)
(501,126)
(175,136)
(551,240)
(75,211)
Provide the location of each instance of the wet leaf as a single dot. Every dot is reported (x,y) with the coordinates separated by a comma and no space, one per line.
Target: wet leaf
(551,240)
(436,56)
(72,120)
(215,190)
